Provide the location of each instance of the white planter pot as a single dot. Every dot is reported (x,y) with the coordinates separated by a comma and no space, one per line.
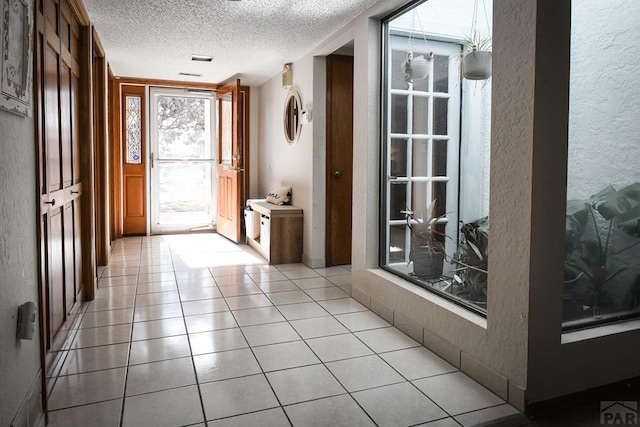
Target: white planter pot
(477,65)
(417,68)
(420,67)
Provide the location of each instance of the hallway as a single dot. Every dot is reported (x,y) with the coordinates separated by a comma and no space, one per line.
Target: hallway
(192,329)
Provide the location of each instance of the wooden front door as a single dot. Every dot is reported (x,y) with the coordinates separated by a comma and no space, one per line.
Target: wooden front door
(60,186)
(134,202)
(339,159)
(230,160)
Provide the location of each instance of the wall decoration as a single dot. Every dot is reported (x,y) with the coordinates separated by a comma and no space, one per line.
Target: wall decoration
(16,24)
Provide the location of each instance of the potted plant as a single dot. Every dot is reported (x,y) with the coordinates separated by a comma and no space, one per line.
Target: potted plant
(427,249)
(476,61)
(602,263)
(471,261)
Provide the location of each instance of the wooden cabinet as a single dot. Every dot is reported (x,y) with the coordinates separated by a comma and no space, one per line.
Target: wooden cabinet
(275,232)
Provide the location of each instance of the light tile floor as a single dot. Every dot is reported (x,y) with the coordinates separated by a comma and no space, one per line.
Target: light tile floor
(194,330)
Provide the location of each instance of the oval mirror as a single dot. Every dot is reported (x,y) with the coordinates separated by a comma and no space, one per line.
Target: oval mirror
(292,117)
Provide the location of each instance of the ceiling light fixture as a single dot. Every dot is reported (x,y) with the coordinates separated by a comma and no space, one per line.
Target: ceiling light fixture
(190,74)
(201,58)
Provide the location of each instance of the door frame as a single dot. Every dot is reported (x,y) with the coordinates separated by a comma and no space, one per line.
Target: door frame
(101,135)
(117,139)
(151,191)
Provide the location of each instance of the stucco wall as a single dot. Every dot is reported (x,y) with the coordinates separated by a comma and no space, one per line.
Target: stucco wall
(605,97)
(281,163)
(19,359)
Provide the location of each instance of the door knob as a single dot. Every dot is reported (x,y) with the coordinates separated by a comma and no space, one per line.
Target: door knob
(52,202)
(337,174)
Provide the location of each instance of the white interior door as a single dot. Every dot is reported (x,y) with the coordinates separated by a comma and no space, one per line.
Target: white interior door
(183,164)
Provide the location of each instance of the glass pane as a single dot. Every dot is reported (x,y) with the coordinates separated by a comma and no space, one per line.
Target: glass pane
(134,130)
(398,114)
(398,157)
(441,74)
(440,116)
(420,199)
(440,157)
(183,128)
(397,76)
(439,190)
(420,158)
(420,115)
(226,131)
(398,200)
(602,258)
(397,244)
(184,192)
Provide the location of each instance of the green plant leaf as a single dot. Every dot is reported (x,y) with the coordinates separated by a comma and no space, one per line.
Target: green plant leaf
(475,249)
(616,203)
(583,267)
(630,222)
(576,220)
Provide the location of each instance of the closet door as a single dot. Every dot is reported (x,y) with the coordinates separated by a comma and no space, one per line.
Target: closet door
(57,119)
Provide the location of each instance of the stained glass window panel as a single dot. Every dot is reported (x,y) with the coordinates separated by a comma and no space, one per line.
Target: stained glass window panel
(134,130)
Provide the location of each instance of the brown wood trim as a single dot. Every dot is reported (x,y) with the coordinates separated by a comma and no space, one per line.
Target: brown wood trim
(99,84)
(246,151)
(167,83)
(115,170)
(80,12)
(38,100)
(87,169)
(97,44)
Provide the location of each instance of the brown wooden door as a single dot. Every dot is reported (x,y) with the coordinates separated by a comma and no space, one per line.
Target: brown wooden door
(134,205)
(60,186)
(339,159)
(230,160)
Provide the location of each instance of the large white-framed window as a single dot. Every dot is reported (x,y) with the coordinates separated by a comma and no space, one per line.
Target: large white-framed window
(435,153)
(602,240)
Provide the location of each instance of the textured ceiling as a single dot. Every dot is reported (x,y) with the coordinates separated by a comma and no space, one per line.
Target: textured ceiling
(253,38)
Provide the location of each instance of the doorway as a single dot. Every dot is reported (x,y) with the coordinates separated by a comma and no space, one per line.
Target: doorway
(183,177)
(339,172)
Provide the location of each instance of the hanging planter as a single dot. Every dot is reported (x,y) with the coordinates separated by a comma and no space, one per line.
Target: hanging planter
(476,62)
(476,65)
(418,67)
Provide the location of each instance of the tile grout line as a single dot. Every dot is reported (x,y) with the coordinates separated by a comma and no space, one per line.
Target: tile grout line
(126,374)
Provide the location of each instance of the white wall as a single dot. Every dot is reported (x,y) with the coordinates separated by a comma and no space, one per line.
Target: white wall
(19,359)
(605,93)
(254,148)
(281,163)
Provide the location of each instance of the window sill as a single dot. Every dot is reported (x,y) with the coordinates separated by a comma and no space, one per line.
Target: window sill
(600,331)
(431,297)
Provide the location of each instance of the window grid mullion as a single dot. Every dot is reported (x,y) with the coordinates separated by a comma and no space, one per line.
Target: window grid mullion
(409,188)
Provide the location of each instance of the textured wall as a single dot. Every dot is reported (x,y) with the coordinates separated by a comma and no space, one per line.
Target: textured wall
(605,97)
(281,163)
(19,359)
